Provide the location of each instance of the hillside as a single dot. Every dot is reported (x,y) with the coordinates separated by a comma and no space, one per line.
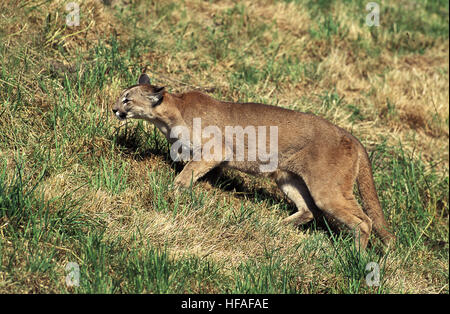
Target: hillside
(77,185)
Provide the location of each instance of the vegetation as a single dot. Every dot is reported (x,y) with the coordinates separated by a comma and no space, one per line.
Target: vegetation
(77,185)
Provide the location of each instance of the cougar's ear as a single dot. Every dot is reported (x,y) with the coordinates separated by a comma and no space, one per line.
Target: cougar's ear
(144,79)
(157,96)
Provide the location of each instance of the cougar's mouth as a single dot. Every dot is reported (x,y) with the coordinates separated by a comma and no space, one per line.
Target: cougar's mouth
(120,115)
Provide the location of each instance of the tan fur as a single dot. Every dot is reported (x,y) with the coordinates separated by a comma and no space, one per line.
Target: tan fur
(318,162)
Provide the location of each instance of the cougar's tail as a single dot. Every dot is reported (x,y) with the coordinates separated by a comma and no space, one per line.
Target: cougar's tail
(370,200)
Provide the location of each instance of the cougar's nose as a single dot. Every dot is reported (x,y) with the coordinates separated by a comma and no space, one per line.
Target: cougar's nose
(114,111)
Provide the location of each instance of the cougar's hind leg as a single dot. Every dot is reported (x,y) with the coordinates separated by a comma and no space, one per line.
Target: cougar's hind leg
(296,190)
(332,189)
(345,210)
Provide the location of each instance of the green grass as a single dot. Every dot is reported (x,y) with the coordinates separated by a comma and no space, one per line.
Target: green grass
(78,186)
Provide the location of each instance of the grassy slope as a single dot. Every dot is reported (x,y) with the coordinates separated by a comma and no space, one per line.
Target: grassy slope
(78,186)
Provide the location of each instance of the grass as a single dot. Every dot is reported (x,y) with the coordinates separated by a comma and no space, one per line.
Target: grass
(76,185)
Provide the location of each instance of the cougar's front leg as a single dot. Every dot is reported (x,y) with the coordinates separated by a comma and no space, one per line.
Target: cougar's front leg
(193,171)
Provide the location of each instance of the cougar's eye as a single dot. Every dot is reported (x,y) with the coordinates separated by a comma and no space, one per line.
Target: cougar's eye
(125,98)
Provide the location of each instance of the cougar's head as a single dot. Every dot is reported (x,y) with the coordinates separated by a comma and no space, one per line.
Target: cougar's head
(139,101)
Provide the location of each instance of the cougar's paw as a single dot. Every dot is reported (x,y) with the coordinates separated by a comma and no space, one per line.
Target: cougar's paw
(178,187)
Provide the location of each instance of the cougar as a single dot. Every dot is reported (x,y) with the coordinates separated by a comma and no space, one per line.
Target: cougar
(314,162)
